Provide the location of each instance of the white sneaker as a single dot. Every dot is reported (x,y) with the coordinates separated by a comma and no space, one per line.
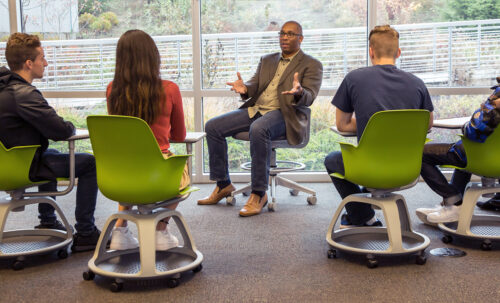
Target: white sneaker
(122,239)
(423,212)
(165,240)
(445,215)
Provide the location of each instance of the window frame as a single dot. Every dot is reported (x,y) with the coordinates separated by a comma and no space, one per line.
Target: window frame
(198,93)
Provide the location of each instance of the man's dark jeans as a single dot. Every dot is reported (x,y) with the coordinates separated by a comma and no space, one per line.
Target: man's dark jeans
(436,154)
(86,193)
(357,212)
(262,130)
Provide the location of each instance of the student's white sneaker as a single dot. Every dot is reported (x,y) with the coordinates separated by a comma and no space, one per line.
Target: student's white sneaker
(165,240)
(122,239)
(423,212)
(445,215)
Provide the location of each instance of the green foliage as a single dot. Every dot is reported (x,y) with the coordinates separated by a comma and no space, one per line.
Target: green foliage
(101,25)
(93,7)
(472,10)
(91,25)
(110,16)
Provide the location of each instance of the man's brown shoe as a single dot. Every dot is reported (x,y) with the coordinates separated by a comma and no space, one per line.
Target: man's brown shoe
(254,205)
(217,195)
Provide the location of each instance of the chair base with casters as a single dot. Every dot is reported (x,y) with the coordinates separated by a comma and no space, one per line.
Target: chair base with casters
(18,244)
(145,262)
(470,226)
(396,239)
(275,180)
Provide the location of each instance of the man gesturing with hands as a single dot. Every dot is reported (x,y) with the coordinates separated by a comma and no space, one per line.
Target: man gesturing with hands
(276,99)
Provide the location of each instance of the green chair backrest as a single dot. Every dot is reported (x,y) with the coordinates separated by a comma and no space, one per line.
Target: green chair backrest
(481,157)
(130,166)
(389,154)
(15,166)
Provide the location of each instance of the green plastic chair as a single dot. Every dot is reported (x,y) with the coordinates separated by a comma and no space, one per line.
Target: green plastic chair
(131,170)
(482,160)
(388,158)
(14,179)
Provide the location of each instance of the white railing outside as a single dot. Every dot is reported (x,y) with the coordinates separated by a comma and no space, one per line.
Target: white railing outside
(448,54)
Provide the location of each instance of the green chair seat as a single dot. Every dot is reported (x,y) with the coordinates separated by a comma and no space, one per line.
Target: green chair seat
(131,170)
(481,161)
(130,166)
(388,158)
(15,166)
(389,153)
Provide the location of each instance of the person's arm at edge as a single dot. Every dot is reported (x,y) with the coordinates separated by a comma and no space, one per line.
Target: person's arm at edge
(346,122)
(34,109)
(178,126)
(311,83)
(252,84)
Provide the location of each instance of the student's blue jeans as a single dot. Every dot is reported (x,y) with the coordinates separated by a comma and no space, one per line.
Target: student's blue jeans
(86,193)
(357,212)
(262,130)
(436,154)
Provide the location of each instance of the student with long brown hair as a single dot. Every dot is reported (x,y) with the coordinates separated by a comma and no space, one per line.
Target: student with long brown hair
(138,90)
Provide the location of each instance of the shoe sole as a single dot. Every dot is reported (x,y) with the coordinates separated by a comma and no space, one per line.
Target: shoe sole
(213,203)
(76,249)
(423,218)
(447,221)
(111,247)
(160,248)
(249,215)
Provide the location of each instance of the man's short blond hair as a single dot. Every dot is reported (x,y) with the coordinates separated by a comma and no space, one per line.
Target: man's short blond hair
(384,41)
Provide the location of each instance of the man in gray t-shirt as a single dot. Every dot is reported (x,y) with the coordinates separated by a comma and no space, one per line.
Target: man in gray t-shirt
(362,93)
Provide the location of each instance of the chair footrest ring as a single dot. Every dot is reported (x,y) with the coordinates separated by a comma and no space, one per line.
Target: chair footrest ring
(286,166)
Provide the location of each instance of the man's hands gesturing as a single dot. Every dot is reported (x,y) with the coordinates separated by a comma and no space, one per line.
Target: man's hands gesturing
(238,86)
(297,89)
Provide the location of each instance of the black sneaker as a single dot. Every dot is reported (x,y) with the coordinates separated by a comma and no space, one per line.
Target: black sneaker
(85,242)
(491,204)
(345,222)
(53,225)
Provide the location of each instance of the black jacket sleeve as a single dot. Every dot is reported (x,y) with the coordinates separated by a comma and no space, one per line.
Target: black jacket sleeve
(35,110)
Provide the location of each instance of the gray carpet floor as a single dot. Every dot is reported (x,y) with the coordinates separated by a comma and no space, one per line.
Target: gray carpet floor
(274,257)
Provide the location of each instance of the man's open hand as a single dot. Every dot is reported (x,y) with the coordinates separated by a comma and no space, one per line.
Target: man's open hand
(297,89)
(238,86)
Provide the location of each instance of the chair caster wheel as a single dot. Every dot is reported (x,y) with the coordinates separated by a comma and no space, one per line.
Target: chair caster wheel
(372,263)
(312,200)
(173,282)
(294,192)
(88,275)
(332,254)
(62,254)
(18,265)
(246,193)
(198,268)
(421,260)
(486,245)
(271,206)
(230,200)
(447,239)
(116,286)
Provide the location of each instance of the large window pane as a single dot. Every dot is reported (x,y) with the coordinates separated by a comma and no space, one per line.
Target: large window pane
(4,29)
(76,110)
(447,43)
(236,33)
(80,38)
(322,139)
(451,107)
